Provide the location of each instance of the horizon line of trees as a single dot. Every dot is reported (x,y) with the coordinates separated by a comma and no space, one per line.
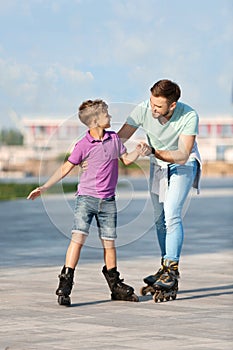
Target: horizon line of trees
(11,137)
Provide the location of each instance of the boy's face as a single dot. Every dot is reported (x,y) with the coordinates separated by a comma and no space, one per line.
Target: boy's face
(104,119)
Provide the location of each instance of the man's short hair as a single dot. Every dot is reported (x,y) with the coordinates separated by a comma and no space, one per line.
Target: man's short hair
(166,88)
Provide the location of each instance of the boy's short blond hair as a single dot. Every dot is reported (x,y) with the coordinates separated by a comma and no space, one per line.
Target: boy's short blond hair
(90,109)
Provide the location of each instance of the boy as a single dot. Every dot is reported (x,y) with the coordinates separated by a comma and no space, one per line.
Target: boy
(95,197)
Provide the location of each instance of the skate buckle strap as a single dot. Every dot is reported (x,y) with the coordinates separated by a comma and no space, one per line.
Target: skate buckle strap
(120,281)
(65,277)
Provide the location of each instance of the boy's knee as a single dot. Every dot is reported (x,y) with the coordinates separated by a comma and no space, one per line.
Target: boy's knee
(108,243)
(79,237)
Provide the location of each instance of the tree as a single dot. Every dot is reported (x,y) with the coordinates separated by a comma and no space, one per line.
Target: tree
(11,137)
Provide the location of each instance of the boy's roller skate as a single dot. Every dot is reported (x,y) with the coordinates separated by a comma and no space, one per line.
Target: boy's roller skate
(120,290)
(166,286)
(150,280)
(65,286)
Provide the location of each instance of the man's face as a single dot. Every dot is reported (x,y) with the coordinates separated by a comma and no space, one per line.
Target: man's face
(160,107)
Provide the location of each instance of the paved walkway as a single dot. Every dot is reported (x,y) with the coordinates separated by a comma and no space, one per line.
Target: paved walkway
(200,318)
(32,252)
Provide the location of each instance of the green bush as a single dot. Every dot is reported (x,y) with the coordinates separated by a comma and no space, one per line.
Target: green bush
(11,137)
(14,190)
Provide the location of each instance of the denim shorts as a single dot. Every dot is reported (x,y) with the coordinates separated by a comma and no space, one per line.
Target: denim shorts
(105,212)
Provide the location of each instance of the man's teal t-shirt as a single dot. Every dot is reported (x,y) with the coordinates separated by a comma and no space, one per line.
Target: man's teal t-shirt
(164,137)
(184,121)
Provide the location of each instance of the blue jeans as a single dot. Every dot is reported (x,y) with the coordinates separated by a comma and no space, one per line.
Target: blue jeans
(105,212)
(168,215)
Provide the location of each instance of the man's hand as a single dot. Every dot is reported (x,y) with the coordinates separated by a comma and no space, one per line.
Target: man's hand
(143,149)
(83,166)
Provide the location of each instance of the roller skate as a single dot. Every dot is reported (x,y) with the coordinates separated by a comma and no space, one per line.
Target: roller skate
(120,290)
(65,286)
(166,286)
(150,280)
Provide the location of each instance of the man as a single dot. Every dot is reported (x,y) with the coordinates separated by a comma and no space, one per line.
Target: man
(171,128)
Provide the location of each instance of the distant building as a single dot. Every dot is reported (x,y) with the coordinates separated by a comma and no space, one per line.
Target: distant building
(215,139)
(52,136)
(46,139)
(55,136)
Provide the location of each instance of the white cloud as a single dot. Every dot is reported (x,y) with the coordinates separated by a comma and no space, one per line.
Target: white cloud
(13,74)
(7,6)
(56,71)
(41,88)
(20,7)
(129,49)
(65,51)
(74,75)
(12,71)
(135,9)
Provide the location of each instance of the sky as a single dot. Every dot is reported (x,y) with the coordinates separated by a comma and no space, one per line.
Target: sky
(54,54)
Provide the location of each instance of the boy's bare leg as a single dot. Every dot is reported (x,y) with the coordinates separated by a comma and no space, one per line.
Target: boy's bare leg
(109,253)
(67,273)
(74,249)
(119,290)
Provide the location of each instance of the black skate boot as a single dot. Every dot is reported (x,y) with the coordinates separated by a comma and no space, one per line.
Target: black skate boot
(166,286)
(65,286)
(151,279)
(120,290)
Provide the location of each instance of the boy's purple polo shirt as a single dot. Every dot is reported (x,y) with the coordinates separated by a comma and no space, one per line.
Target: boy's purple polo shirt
(100,178)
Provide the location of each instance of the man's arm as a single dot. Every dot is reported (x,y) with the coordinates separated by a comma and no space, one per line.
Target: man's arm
(179,156)
(57,176)
(126,132)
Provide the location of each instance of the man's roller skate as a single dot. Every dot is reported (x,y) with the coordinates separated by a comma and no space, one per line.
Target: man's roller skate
(120,290)
(166,286)
(65,286)
(150,280)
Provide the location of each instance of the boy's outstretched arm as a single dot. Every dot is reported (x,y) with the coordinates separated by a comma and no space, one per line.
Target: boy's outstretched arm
(140,150)
(57,176)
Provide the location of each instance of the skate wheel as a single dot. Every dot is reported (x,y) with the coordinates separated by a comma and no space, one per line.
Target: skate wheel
(135,298)
(63,300)
(156,297)
(143,291)
(167,298)
(174,297)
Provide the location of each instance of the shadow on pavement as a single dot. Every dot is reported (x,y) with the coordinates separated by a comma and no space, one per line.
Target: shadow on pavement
(90,303)
(221,289)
